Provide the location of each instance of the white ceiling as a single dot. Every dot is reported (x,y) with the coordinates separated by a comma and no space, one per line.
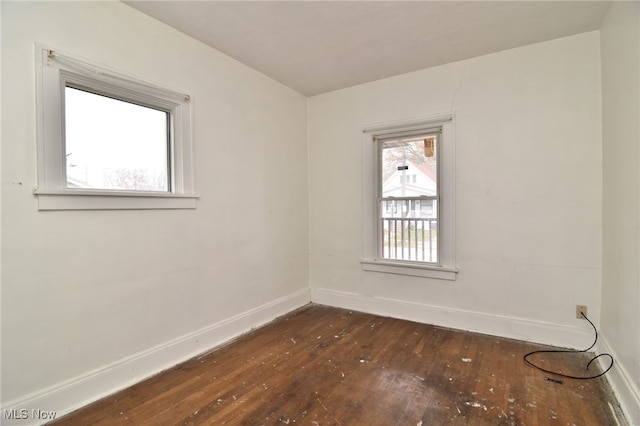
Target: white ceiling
(319,46)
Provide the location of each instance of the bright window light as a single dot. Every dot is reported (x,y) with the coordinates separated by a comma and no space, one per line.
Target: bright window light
(112,144)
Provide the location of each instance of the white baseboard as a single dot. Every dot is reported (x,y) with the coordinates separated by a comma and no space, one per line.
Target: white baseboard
(94,385)
(77,392)
(627,393)
(495,325)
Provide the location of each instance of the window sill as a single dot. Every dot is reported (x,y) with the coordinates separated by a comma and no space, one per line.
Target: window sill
(112,200)
(409,268)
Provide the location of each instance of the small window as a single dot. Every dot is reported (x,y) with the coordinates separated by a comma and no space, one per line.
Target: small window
(115,145)
(108,141)
(410,166)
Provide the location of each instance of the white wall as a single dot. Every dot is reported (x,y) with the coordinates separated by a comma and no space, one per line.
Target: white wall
(93,301)
(528,192)
(90,294)
(620,44)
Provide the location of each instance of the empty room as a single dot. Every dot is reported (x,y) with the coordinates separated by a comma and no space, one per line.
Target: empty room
(320,213)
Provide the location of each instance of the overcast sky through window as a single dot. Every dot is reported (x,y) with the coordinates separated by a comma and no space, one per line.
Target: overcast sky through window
(112,144)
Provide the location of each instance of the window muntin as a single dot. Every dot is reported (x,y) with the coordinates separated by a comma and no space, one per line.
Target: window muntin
(114,144)
(408,197)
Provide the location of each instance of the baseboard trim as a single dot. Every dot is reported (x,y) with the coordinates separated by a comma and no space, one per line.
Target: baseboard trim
(70,395)
(627,393)
(495,325)
(92,386)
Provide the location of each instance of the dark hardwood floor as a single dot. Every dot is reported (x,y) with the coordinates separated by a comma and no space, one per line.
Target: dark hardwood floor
(327,366)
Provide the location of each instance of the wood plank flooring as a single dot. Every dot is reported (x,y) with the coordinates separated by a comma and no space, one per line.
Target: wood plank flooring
(327,366)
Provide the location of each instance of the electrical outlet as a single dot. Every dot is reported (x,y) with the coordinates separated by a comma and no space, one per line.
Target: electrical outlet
(581,309)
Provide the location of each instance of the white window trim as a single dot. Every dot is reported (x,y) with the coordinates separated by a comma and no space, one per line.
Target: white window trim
(371,260)
(53,70)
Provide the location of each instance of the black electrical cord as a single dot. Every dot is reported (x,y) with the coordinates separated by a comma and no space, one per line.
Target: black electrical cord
(572,352)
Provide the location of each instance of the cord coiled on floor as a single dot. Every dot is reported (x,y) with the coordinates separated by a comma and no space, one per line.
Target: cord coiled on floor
(525,358)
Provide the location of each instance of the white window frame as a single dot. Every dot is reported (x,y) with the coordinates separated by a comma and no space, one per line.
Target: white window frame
(54,71)
(372,261)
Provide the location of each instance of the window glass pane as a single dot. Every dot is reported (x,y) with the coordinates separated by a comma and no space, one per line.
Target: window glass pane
(409,226)
(113,144)
(409,167)
(407,235)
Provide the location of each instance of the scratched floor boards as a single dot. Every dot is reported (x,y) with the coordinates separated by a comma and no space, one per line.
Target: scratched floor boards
(328,366)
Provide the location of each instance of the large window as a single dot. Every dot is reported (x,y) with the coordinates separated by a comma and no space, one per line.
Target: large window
(408,187)
(108,141)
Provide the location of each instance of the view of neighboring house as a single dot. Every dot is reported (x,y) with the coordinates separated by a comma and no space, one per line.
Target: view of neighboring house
(412,181)
(409,222)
